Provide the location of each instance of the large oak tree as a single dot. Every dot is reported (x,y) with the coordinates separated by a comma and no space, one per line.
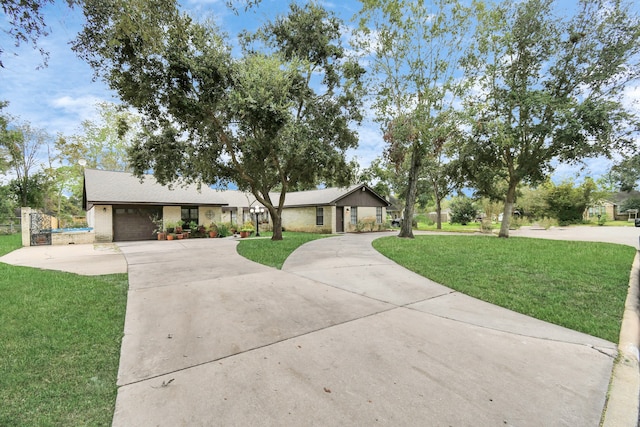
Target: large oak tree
(548,90)
(259,121)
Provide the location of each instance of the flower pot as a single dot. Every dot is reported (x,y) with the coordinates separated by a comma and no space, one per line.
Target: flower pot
(244,234)
(180,236)
(162,236)
(170,236)
(213,234)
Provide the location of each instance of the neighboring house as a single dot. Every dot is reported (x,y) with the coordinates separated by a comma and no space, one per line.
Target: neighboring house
(121,207)
(593,213)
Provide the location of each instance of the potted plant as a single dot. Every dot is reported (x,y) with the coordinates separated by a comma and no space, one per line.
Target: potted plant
(171,226)
(179,225)
(213,230)
(158,227)
(246,230)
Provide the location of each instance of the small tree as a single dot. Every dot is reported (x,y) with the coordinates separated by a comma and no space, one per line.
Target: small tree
(463,210)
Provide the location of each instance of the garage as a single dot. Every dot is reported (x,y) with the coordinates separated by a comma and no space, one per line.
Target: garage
(134,222)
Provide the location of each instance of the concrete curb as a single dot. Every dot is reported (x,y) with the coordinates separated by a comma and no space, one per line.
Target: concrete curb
(621,408)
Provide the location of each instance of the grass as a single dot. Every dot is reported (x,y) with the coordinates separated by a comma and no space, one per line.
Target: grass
(60,336)
(471,227)
(274,253)
(579,285)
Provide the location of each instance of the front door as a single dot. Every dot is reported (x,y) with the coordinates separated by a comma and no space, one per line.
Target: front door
(339,219)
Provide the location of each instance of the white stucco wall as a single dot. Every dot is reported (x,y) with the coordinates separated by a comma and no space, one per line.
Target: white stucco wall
(103,217)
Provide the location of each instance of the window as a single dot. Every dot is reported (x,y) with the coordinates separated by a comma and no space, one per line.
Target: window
(319,216)
(189,214)
(354,215)
(379,215)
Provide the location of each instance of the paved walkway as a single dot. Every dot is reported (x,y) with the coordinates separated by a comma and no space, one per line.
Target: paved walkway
(86,259)
(341,336)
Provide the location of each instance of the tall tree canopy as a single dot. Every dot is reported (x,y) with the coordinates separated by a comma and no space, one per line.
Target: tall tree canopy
(24,145)
(548,89)
(258,121)
(24,23)
(416,48)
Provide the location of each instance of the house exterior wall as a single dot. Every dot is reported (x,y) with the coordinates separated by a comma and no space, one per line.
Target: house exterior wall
(592,212)
(209,214)
(225,215)
(304,219)
(171,214)
(103,222)
(362,213)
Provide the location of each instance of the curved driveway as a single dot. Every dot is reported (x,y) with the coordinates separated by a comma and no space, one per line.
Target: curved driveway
(341,336)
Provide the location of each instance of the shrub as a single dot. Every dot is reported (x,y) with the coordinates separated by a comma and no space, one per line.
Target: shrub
(486,225)
(547,222)
(463,211)
(224,229)
(602,219)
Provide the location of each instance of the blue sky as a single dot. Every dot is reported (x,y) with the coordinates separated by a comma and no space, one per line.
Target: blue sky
(59,97)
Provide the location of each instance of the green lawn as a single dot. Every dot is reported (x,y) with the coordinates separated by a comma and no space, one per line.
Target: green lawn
(274,253)
(579,285)
(60,336)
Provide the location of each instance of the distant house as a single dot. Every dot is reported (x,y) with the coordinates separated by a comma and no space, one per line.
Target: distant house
(595,211)
(120,207)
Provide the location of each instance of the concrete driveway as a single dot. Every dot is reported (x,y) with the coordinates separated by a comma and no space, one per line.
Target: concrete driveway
(341,336)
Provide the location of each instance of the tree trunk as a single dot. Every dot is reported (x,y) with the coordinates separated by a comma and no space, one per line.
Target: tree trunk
(410,200)
(508,210)
(438,206)
(276,217)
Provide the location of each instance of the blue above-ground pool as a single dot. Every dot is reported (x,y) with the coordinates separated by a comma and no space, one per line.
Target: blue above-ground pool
(72,230)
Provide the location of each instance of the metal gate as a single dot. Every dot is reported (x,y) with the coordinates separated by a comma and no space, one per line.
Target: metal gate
(40,229)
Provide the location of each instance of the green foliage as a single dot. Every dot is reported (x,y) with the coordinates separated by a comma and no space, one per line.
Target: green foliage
(463,210)
(567,203)
(31,190)
(630,203)
(417,51)
(602,219)
(626,173)
(224,229)
(547,222)
(260,121)
(369,224)
(24,23)
(523,119)
(541,278)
